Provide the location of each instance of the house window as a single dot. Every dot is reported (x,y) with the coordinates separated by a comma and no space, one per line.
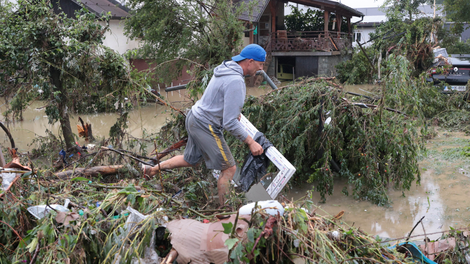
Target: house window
(357,36)
(248,29)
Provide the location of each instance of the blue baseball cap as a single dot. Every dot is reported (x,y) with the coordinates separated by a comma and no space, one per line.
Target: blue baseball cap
(252,51)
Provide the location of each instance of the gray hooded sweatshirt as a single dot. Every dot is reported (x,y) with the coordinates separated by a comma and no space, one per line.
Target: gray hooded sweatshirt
(223,99)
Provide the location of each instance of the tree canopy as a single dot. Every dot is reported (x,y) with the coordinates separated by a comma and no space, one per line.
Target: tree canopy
(59,59)
(191,32)
(403,9)
(309,20)
(457,10)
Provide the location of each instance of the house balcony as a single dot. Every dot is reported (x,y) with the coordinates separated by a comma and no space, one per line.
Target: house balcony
(309,41)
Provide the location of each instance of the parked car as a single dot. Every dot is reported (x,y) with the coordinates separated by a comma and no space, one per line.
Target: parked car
(451,73)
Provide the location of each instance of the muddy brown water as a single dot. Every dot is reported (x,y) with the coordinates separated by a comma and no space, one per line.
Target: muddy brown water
(143,120)
(442,196)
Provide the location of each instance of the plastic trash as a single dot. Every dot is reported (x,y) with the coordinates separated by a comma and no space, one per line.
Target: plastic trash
(255,166)
(8,177)
(164,220)
(40,211)
(91,147)
(150,255)
(216,174)
(271,207)
(415,252)
(66,203)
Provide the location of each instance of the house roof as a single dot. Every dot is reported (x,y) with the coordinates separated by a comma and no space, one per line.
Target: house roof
(258,10)
(101,7)
(369,24)
(327,5)
(330,6)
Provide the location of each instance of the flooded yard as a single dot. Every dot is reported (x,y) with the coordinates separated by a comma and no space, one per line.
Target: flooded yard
(142,120)
(442,196)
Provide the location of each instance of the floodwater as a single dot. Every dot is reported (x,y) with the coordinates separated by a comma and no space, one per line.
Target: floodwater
(442,197)
(142,121)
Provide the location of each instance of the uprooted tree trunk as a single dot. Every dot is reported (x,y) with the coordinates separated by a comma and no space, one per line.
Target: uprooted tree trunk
(113,169)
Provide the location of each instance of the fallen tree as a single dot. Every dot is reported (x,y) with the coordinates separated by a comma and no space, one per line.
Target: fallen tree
(327,137)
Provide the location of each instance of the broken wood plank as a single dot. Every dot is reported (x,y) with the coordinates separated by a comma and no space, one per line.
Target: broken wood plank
(93,171)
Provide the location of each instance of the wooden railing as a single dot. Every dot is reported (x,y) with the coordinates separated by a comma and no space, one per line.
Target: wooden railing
(309,41)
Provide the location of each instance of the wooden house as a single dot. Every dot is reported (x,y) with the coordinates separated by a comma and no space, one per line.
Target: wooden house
(309,53)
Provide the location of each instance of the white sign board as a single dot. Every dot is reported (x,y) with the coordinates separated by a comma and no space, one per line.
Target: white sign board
(286,170)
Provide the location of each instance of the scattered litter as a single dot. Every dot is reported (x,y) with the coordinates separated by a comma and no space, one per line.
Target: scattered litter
(271,207)
(412,248)
(40,211)
(8,177)
(132,223)
(464,172)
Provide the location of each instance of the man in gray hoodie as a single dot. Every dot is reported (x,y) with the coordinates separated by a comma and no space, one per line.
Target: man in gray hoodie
(219,108)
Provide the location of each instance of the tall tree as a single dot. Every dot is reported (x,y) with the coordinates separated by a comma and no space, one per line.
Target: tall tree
(309,20)
(457,10)
(404,8)
(204,32)
(62,58)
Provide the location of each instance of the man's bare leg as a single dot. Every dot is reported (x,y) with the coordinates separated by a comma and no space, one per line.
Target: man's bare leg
(175,162)
(223,183)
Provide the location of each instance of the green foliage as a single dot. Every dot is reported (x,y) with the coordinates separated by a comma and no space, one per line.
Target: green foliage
(320,240)
(370,149)
(104,232)
(185,33)
(60,59)
(457,10)
(460,253)
(414,96)
(408,38)
(458,47)
(403,9)
(358,70)
(309,20)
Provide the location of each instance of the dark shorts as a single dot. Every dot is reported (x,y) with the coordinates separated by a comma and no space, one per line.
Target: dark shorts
(206,142)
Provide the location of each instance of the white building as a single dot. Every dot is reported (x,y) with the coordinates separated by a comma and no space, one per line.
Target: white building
(115,37)
(374,16)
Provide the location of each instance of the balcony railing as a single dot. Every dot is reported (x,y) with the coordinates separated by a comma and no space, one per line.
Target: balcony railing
(309,41)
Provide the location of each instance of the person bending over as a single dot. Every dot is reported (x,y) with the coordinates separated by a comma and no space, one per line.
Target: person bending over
(219,108)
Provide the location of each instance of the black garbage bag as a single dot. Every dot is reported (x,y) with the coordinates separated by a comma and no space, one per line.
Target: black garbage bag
(255,166)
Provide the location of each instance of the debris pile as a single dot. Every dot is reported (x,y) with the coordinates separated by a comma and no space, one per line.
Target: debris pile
(100,209)
(46,219)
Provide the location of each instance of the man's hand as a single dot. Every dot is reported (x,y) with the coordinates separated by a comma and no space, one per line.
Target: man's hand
(255,148)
